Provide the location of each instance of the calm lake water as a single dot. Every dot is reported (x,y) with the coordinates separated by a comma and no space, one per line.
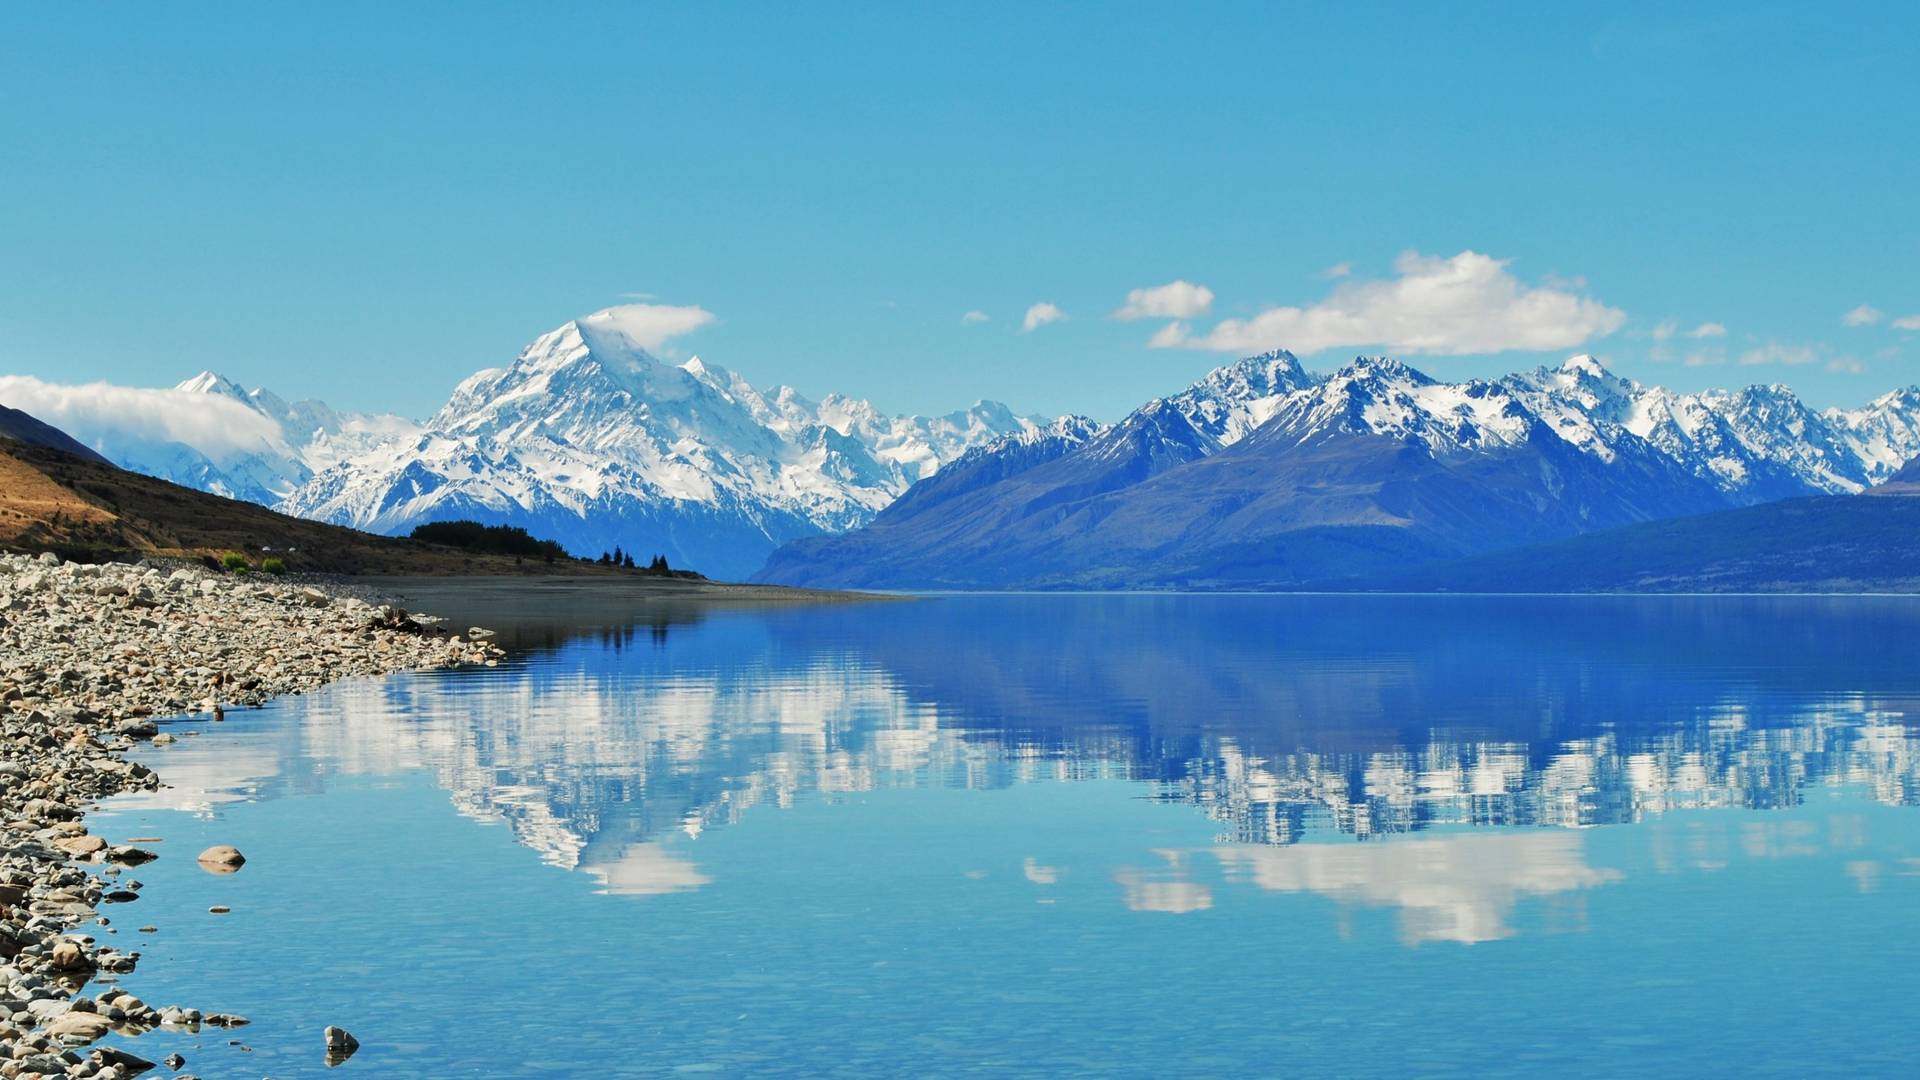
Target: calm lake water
(1125,835)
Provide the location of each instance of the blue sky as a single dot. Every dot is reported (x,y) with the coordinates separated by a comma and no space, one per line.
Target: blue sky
(366,203)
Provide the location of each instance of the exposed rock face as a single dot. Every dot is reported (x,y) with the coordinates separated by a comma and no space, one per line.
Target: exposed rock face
(89,655)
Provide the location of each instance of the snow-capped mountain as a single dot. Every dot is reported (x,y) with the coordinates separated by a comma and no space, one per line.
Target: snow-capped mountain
(1233,400)
(1758,443)
(299,439)
(318,435)
(588,439)
(1263,474)
(208,432)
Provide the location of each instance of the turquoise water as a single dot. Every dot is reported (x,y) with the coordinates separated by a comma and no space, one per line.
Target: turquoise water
(1144,836)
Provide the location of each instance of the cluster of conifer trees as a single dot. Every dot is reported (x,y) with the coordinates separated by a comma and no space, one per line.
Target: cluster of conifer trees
(616,557)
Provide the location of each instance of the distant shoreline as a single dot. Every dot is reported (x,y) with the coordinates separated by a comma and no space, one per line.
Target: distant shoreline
(547,608)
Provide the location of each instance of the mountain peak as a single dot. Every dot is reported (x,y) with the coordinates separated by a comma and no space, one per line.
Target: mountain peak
(1227,403)
(1273,354)
(1264,375)
(1383,368)
(212,382)
(1905,395)
(1278,360)
(615,332)
(1585,364)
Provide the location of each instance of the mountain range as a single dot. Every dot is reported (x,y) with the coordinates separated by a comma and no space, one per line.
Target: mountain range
(585,438)
(588,439)
(1265,475)
(1262,474)
(208,432)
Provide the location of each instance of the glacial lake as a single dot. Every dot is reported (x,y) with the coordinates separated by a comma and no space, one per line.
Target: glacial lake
(1058,835)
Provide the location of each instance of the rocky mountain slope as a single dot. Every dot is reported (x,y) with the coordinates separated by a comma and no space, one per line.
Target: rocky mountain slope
(1366,471)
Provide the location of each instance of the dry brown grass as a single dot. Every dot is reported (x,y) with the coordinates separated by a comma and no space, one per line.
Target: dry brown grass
(83,509)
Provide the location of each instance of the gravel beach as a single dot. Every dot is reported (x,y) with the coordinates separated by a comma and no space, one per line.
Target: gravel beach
(90,657)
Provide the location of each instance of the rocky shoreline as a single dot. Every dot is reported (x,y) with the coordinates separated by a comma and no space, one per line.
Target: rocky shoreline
(90,656)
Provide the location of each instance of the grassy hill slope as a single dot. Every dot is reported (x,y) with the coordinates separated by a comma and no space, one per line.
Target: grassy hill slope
(85,508)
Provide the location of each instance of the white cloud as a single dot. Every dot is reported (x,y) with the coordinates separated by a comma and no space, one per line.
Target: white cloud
(1669,329)
(1337,270)
(1174,300)
(102,414)
(1170,336)
(1864,315)
(1040,315)
(975,318)
(648,326)
(1775,353)
(1846,365)
(1444,306)
(1907,322)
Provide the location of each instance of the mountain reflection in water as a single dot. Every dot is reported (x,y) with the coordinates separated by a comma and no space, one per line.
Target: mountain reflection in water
(1298,724)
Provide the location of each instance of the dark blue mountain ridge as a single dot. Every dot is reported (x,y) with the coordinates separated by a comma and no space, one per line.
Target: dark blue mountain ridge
(1822,543)
(1359,475)
(1904,481)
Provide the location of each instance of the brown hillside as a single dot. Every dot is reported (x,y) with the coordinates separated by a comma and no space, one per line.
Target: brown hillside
(50,500)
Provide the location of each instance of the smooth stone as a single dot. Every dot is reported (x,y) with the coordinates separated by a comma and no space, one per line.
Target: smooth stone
(221,859)
(86,1026)
(80,846)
